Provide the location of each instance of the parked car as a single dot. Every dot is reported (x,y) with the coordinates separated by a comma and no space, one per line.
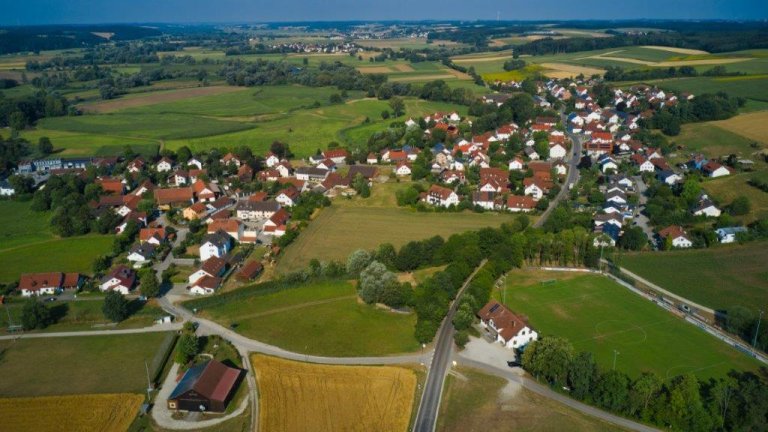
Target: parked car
(514,363)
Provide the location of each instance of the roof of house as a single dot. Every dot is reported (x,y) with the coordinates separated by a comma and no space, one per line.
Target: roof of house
(440,192)
(147,233)
(213,266)
(209,282)
(335,153)
(521,202)
(144,249)
(260,206)
(173,195)
(280,217)
(366,171)
(673,231)
(226,225)
(505,321)
(213,380)
(126,276)
(250,270)
(218,239)
(36,281)
(480,196)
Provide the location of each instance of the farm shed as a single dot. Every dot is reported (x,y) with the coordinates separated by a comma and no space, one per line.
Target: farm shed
(206,387)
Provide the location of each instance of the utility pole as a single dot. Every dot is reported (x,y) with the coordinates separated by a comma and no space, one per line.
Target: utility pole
(757,331)
(615,353)
(149,382)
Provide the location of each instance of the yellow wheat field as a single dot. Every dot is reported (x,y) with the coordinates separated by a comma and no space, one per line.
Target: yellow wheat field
(75,413)
(296,396)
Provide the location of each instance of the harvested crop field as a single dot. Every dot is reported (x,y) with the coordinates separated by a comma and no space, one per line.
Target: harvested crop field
(404,68)
(562,70)
(676,50)
(157,97)
(297,396)
(422,77)
(82,413)
(753,126)
(375,69)
(674,63)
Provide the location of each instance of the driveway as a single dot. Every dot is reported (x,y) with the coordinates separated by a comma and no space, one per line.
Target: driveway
(642,220)
(164,417)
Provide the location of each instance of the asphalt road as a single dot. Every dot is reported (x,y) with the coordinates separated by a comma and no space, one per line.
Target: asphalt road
(571,178)
(433,389)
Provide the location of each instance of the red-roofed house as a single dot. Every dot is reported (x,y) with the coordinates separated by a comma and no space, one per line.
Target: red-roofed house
(441,196)
(505,326)
(678,236)
(516,203)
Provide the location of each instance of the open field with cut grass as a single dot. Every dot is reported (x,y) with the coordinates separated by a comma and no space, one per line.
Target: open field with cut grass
(753,125)
(474,401)
(98,412)
(87,144)
(720,278)
(338,231)
(726,189)
(77,365)
(711,139)
(72,254)
(322,318)
(598,315)
(247,101)
(675,50)
(296,397)
(20,225)
(152,126)
(753,88)
(156,97)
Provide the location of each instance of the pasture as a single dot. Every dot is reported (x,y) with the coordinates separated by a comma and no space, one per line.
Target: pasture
(96,412)
(20,225)
(726,189)
(296,396)
(321,318)
(78,365)
(750,87)
(156,97)
(753,126)
(56,254)
(473,400)
(338,231)
(598,315)
(712,139)
(720,278)
(69,144)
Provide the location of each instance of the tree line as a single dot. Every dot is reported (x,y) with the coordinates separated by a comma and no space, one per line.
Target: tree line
(736,402)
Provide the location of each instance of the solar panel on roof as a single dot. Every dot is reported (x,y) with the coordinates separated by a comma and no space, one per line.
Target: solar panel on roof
(494,307)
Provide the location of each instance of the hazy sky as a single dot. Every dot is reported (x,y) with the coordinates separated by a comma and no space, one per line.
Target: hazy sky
(112,11)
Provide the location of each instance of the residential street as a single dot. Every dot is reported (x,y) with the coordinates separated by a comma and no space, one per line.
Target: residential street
(641,219)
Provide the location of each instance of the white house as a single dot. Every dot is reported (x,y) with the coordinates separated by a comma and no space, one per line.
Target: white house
(6,189)
(515,164)
(206,285)
(713,169)
(728,234)
(444,197)
(505,326)
(120,279)
(557,151)
(677,235)
(195,162)
(403,169)
(288,197)
(535,190)
(271,160)
(214,245)
(164,165)
(707,208)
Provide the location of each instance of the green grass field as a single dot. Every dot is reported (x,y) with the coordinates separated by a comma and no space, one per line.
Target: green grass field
(473,400)
(19,225)
(754,87)
(338,231)
(87,144)
(77,365)
(600,316)
(149,126)
(726,189)
(719,278)
(322,318)
(85,314)
(249,102)
(711,140)
(73,254)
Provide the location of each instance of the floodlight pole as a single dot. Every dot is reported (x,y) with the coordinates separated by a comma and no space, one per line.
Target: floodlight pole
(615,353)
(757,330)
(149,382)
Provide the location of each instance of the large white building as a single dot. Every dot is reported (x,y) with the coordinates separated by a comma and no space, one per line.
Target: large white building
(507,328)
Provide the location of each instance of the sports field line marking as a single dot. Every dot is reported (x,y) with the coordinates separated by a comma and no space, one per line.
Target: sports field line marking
(636,327)
(692,371)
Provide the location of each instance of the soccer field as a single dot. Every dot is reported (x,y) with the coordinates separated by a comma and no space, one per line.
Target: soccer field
(597,315)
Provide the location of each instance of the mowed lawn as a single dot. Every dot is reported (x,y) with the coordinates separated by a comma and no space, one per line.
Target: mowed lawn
(20,225)
(600,316)
(88,144)
(712,140)
(321,318)
(338,231)
(77,365)
(73,254)
(719,278)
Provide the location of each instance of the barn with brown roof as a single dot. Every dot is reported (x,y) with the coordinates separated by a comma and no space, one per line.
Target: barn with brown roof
(207,387)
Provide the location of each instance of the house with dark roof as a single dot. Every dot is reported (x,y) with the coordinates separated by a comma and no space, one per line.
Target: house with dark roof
(217,244)
(206,387)
(120,279)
